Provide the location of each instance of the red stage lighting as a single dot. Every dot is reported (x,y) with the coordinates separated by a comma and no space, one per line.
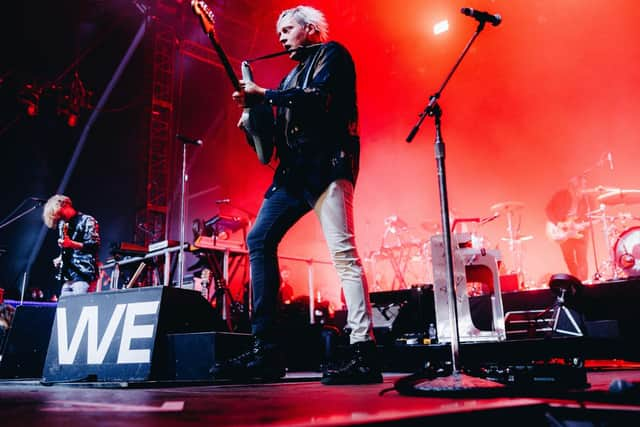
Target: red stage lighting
(30,97)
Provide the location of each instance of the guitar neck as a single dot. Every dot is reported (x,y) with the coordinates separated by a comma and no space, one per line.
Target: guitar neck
(225,63)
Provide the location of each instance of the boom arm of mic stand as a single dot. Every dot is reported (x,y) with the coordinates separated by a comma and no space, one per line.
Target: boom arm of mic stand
(429,109)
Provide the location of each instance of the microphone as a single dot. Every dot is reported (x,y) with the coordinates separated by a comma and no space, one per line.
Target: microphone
(188,140)
(38,199)
(482,17)
(610,160)
(221,201)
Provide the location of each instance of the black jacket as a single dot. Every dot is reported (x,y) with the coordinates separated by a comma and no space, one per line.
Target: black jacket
(316,124)
(81,264)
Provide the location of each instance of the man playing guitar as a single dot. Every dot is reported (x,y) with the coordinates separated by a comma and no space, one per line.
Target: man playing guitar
(79,241)
(567,225)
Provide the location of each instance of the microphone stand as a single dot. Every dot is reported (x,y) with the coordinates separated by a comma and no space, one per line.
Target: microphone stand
(10,220)
(21,214)
(183,181)
(434,110)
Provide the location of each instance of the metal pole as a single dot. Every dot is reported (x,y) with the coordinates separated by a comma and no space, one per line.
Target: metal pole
(182,196)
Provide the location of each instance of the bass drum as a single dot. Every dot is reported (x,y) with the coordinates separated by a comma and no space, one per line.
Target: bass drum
(627,251)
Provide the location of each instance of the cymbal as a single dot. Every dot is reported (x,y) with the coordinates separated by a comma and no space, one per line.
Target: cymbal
(517,238)
(599,189)
(510,206)
(430,225)
(620,197)
(596,213)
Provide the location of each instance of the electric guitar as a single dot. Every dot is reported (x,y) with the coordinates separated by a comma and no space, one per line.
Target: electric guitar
(64,233)
(565,230)
(256,121)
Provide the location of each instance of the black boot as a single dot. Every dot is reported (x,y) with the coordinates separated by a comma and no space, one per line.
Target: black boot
(264,361)
(363,367)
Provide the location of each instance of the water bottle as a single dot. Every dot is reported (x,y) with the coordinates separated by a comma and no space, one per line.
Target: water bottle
(205,277)
(433,334)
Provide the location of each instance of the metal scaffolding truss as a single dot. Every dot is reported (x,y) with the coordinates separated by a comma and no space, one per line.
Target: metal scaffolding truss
(152,217)
(154,212)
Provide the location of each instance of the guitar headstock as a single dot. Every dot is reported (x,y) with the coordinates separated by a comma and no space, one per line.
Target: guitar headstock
(207,20)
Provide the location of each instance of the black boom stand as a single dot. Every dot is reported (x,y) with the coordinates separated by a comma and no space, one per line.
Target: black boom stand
(455,382)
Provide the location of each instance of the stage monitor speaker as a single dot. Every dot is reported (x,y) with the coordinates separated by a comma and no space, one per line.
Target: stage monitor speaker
(26,345)
(210,347)
(403,311)
(122,335)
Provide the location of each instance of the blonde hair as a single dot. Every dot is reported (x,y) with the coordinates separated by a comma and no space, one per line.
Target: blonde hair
(308,15)
(51,211)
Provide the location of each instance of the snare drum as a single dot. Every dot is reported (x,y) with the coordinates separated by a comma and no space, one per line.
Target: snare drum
(627,251)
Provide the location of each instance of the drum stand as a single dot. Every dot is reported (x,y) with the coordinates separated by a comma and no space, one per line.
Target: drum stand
(514,239)
(597,276)
(609,264)
(515,244)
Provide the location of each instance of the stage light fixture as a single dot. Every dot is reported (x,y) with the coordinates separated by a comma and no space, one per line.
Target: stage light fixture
(73,101)
(30,97)
(441,27)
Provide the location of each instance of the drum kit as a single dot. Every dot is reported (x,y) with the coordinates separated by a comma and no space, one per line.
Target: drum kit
(621,236)
(402,254)
(512,211)
(403,258)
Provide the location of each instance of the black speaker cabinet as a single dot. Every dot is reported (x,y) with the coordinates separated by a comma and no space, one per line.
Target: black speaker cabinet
(122,335)
(26,346)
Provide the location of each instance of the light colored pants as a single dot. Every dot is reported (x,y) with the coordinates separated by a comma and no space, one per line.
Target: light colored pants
(334,209)
(279,212)
(73,288)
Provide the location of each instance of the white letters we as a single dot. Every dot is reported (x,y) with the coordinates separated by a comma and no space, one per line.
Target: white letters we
(97,347)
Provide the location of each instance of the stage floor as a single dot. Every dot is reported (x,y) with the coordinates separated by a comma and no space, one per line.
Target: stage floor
(300,400)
